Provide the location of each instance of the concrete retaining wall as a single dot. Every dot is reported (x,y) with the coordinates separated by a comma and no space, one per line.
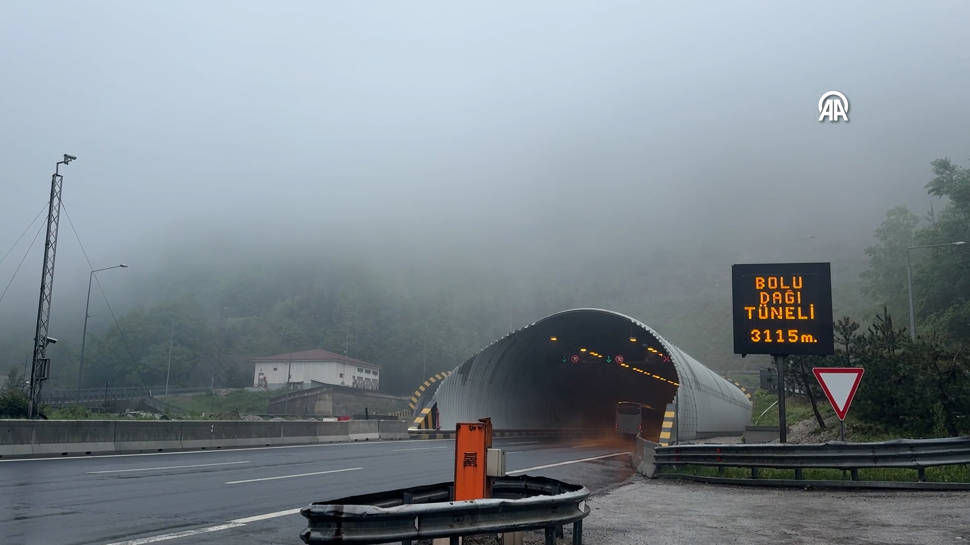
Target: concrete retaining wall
(335,400)
(66,437)
(761,434)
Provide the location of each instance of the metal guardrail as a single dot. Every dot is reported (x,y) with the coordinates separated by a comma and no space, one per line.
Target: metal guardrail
(517,503)
(68,396)
(917,454)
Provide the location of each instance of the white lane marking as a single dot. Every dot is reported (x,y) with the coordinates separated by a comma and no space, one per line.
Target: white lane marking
(176,535)
(568,462)
(417,448)
(294,476)
(227,449)
(166,467)
(234,523)
(266,516)
(520,443)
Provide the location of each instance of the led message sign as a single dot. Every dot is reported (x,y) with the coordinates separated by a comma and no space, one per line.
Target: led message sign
(782,308)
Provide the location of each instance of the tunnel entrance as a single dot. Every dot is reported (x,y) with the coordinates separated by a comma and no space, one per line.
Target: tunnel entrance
(592,365)
(570,369)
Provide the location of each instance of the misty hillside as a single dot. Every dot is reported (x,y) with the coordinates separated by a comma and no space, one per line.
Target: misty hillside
(407,184)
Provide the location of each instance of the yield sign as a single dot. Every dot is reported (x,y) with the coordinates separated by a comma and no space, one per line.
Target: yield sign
(839,385)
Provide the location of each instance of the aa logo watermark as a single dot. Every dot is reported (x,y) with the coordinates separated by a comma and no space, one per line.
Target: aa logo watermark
(834,107)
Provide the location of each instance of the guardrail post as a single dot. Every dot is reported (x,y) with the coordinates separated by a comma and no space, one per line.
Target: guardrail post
(754,473)
(921,474)
(798,473)
(854,474)
(407,498)
(550,535)
(578,532)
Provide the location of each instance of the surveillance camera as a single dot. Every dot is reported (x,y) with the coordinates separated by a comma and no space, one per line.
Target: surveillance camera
(51,340)
(69,158)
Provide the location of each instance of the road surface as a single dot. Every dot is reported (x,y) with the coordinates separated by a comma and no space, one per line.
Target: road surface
(245,496)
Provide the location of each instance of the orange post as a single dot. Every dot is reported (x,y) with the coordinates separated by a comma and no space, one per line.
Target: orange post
(471,442)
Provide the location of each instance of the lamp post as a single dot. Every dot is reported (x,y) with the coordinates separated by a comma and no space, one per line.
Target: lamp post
(84,330)
(909,280)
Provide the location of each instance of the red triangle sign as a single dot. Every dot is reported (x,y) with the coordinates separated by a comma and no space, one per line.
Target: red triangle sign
(839,385)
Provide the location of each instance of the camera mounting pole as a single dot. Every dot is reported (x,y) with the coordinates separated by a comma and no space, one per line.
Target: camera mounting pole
(40,366)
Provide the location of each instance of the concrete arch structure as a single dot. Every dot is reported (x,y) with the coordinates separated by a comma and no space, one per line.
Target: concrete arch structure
(564,371)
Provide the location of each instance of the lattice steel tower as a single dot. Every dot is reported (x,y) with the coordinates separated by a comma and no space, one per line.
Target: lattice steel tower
(40,366)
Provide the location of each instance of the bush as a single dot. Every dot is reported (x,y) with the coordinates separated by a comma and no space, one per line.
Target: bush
(13,403)
(920,389)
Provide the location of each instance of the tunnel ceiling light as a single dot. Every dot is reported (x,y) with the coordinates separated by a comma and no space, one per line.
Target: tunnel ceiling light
(633,339)
(582,350)
(553,338)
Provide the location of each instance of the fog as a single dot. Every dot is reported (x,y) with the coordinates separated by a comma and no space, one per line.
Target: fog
(627,151)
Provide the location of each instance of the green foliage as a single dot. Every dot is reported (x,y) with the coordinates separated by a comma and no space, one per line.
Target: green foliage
(239,402)
(886,277)
(796,409)
(137,353)
(13,400)
(346,310)
(13,404)
(71,412)
(915,390)
(919,389)
(941,284)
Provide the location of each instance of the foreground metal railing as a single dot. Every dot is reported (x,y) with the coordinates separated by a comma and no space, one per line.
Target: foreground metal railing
(517,503)
(917,454)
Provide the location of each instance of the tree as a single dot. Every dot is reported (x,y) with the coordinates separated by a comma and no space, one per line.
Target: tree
(942,282)
(917,388)
(13,400)
(941,285)
(886,277)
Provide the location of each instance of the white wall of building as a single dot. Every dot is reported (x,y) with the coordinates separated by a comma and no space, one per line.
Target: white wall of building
(276,374)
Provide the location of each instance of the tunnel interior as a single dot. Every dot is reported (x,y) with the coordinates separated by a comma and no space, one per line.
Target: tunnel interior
(565,372)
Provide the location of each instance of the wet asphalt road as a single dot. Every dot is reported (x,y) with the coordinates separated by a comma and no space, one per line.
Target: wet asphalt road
(244,496)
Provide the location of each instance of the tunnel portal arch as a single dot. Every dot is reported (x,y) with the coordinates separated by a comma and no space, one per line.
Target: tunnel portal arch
(564,371)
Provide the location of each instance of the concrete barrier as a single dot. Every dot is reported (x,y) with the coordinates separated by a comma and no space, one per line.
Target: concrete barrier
(392,429)
(644,457)
(147,435)
(364,430)
(17,438)
(64,437)
(761,434)
(329,432)
(297,433)
(224,433)
(563,434)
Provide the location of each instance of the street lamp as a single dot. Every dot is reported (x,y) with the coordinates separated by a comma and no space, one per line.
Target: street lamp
(84,330)
(909,280)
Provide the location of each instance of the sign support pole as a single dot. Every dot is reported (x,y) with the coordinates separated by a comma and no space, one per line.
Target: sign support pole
(782,420)
(842,430)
